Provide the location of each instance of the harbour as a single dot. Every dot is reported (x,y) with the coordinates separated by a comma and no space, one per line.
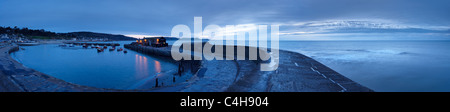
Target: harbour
(193,76)
(108,69)
(198,69)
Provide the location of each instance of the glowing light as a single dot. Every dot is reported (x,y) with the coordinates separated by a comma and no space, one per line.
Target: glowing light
(157,66)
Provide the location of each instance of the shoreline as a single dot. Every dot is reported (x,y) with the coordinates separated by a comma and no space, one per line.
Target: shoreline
(296,73)
(208,76)
(19,78)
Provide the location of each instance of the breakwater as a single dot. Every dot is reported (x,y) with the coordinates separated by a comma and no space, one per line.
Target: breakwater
(296,73)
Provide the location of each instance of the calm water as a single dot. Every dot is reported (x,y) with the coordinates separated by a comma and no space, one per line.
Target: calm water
(384,65)
(380,65)
(109,69)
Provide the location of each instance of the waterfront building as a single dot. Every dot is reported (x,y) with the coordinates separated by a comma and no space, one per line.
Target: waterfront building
(152,41)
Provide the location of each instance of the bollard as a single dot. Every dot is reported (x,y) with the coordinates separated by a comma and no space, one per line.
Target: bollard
(156,82)
(180,68)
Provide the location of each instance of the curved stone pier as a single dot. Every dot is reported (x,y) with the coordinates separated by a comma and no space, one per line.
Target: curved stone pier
(296,73)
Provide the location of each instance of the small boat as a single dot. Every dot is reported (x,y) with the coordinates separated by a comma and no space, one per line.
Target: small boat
(71,45)
(62,45)
(99,50)
(105,47)
(111,49)
(120,49)
(125,51)
(93,46)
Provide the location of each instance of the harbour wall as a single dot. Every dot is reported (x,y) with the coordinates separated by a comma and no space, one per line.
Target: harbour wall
(296,73)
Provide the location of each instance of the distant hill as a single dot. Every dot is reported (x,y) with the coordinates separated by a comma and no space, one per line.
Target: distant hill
(43,34)
(167,38)
(98,35)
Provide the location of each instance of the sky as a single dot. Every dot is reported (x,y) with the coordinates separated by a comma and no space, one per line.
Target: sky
(298,19)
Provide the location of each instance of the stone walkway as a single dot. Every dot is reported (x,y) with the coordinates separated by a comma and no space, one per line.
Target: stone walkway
(296,73)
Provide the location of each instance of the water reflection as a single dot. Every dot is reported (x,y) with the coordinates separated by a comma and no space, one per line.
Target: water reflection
(141,65)
(157,66)
(87,67)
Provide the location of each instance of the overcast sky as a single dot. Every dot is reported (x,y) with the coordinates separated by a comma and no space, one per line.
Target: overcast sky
(299,19)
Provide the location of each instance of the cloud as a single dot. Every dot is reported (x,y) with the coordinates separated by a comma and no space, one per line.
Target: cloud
(296,17)
(142,36)
(358,26)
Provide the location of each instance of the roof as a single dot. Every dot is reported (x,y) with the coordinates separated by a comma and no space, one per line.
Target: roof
(152,37)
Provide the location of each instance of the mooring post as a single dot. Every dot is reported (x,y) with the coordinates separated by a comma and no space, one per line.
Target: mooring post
(180,68)
(156,82)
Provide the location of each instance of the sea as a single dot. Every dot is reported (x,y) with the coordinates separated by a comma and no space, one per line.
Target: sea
(382,65)
(107,69)
(385,66)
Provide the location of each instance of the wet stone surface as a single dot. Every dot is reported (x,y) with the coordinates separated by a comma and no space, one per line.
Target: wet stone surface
(296,73)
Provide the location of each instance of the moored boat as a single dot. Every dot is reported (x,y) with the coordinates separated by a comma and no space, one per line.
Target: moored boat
(99,50)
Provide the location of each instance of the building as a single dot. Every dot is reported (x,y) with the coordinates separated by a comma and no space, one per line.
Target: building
(152,41)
